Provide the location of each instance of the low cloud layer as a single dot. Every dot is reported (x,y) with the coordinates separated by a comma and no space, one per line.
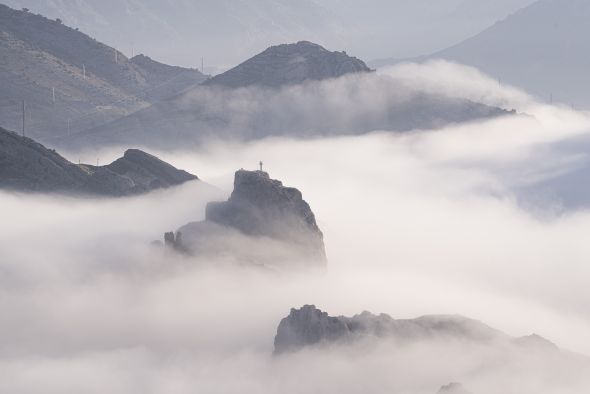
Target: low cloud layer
(430,222)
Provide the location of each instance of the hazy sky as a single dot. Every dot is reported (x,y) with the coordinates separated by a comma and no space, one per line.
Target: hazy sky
(226,32)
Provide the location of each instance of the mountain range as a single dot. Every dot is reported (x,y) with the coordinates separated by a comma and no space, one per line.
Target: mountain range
(69,81)
(294,90)
(208,28)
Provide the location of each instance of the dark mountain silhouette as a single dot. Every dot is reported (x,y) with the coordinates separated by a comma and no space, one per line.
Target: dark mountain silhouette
(28,166)
(290,64)
(92,83)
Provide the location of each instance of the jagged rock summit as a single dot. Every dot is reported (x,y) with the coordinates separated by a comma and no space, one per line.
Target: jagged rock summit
(309,326)
(26,165)
(262,222)
(288,64)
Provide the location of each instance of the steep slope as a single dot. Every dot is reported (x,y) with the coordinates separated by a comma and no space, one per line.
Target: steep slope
(355,103)
(262,223)
(166,80)
(542,48)
(26,165)
(290,64)
(71,81)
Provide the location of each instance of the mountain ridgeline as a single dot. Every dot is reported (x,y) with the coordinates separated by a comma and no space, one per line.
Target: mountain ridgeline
(295,90)
(70,80)
(289,64)
(28,166)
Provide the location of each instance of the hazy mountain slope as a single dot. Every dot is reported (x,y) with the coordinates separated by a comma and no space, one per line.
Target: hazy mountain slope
(26,165)
(208,28)
(290,64)
(183,32)
(39,56)
(543,49)
(355,103)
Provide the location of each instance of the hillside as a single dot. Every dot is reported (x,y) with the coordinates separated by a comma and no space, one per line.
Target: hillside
(42,58)
(28,166)
(290,64)
(542,48)
(294,96)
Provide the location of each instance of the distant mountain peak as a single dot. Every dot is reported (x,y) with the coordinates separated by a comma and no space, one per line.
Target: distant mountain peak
(289,64)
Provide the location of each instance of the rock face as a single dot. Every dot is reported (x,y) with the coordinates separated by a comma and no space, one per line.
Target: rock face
(453,388)
(309,326)
(290,64)
(26,165)
(260,206)
(262,222)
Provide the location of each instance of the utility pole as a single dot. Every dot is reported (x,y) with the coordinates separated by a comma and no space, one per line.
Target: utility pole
(261,163)
(24,116)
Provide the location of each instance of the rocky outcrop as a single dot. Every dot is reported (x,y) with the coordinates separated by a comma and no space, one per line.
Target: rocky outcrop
(290,64)
(262,222)
(260,206)
(26,165)
(309,326)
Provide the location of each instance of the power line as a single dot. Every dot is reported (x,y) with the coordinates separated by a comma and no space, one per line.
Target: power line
(24,116)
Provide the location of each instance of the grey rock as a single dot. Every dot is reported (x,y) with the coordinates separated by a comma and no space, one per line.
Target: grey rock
(262,222)
(290,64)
(174,242)
(26,165)
(310,326)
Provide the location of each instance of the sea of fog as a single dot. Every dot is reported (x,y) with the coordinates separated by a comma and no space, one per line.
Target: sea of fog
(451,221)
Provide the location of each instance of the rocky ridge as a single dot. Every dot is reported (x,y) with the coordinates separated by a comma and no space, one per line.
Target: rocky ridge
(309,326)
(262,222)
(26,165)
